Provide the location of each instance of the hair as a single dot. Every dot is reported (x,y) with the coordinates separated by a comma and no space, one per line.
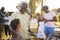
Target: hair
(45,8)
(14,23)
(2,8)
(23,4)
(37,14)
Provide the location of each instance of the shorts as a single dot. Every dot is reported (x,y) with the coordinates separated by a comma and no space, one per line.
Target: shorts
(48,30)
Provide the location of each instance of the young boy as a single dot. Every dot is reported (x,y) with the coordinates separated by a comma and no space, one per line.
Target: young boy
(15,27)
(41,34)
(6,24)
(50,17)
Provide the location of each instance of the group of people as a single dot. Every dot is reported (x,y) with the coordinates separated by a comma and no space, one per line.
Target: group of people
(19,23)
(4,21)
(1,20)
(46,23)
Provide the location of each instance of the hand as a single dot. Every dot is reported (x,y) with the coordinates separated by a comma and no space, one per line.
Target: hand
(30,31)
(48,20)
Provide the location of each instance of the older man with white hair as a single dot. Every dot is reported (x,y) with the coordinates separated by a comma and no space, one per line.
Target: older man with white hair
(24,20)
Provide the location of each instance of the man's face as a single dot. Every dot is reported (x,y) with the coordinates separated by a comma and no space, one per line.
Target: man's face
(46,11)
(23,8)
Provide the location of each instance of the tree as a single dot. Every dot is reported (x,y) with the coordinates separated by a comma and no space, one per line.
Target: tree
(33,6)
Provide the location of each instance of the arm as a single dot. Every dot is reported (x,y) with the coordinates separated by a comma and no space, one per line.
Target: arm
(29,30)
(37,23)
(37,27)
(1,17)
(29,22)
(54,18)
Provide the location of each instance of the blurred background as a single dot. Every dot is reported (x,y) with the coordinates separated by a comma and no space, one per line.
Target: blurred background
(34,6)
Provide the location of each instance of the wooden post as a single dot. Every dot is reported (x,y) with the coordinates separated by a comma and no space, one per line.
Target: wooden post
(32,7)
(41,7)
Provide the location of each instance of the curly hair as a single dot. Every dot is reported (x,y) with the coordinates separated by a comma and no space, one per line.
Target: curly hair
(14,23)
(45,8)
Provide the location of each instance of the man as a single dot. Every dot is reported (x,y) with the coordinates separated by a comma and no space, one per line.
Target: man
(24,19)
(49,20)
(1,20)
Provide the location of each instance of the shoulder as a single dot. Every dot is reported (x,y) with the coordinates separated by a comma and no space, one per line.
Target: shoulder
(15,13)
(27,15)
(52,12)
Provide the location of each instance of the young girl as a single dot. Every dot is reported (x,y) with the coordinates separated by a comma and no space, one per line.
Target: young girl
(41,34)
(15,29)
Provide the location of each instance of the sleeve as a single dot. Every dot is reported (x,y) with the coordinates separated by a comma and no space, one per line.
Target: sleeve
(28,17)
(54,14)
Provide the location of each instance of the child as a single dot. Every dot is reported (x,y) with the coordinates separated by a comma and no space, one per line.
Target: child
(6,24)
(41,34)
(15,27)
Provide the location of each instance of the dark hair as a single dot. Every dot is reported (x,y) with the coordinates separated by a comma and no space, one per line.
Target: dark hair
(45,8)
(23,5)
(2,8)
(14,23)
(37,14)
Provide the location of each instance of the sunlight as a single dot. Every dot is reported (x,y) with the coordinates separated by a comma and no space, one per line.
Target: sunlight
(10,5)
(51,3)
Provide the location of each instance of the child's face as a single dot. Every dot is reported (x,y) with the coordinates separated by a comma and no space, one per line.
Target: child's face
(18,26)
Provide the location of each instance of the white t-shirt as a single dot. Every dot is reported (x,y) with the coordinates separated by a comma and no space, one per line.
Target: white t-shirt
(49,16)
(6,20)
(41,33)
(41,26)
